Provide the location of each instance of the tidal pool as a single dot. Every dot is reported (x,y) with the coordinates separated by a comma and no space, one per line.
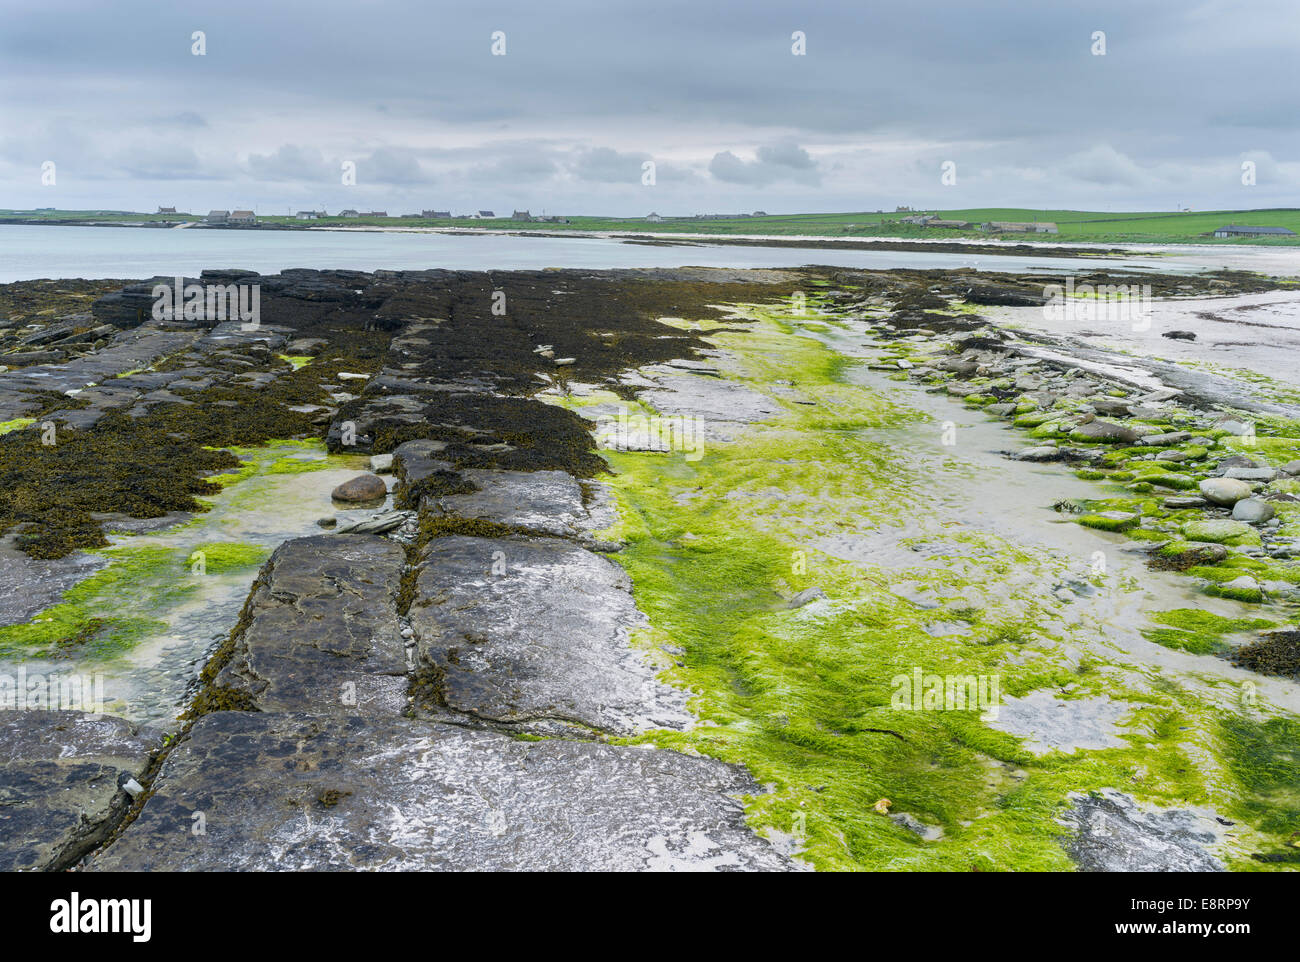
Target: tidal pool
(145,621)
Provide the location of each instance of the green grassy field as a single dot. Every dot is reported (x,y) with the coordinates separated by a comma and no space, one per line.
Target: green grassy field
(1075,225)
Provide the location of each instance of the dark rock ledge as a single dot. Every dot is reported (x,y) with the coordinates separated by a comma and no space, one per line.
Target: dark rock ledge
(440,698)
(60,773)
(331,765)
(436,699)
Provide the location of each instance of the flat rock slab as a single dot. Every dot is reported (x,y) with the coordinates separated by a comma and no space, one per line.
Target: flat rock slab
(415,460)
(34,584)
(547,640)
(59,775)
(292,792)
(1052,724)
(1114,834)
(549,502)
(322,632)
(723,406)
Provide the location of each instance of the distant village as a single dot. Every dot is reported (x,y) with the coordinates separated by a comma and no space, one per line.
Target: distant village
(247,218)
(936,222)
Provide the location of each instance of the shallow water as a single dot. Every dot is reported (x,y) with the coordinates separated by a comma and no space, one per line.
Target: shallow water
(1253,334)
(972,487)
(28,252)
(149,681)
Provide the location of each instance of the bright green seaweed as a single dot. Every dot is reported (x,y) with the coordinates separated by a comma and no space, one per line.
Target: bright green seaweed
(803,697)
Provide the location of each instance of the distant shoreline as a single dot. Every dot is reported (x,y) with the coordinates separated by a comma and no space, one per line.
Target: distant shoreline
(800,242)
(1088,232)
(937,245)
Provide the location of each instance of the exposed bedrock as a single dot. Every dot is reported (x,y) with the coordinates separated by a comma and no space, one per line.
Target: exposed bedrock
(440,698)
(1112,833)
(60,783)
(324,771)
(522,630)
(296,791)
(320,630)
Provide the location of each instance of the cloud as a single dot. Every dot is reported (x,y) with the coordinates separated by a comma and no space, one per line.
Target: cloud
(1106,166)
(391,166)
(184,118)
(291,163)
(162,162)
(710,92)
(609,166)
(786,154)
(528,167)
(774,162)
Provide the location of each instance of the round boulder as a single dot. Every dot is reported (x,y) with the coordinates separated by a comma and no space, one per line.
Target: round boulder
(1221,531)
(1244,583)
(1104,431)
(1224,491)
(1252,511)
(364,487)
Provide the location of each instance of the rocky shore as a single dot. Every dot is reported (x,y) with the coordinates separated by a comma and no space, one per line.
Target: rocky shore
(459,678)
(442,696)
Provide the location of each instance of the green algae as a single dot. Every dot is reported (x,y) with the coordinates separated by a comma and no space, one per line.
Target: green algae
(1192,642)
(113,610)
(1165,478)
(222,557)
(1251,596)
(1103,523)
(289,456)
(91,620)
(1199,632)
(1196,619)
(1264,756)
(16,425)
(1281,448)
(803,698)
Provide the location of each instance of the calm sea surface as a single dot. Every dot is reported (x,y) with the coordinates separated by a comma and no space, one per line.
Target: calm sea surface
(92,252)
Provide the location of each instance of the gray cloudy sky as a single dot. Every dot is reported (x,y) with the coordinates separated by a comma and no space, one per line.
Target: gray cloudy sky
(1010,92)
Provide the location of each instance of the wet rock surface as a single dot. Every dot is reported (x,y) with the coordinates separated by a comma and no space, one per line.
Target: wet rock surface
(293,792)
(321,631)
(363,714)
(33,585)
(348,635)
(1114,834)
(59,782)
(547,502)
(1053,724)
(519,631)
